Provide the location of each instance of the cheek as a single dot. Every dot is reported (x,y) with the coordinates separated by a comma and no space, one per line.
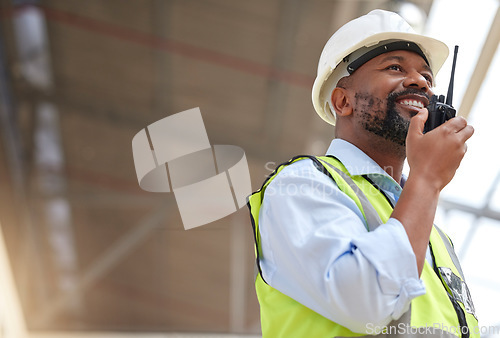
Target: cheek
(379,86)
(366,102)
(385,85)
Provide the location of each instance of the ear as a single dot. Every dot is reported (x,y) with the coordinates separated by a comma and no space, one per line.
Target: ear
(341,102)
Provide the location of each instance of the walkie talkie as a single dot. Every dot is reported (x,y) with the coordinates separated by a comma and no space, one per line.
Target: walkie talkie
(439,110)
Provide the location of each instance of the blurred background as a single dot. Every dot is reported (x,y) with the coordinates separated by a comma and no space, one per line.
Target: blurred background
(85,252)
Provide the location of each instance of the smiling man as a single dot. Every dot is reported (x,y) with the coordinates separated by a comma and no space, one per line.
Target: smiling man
(345,243)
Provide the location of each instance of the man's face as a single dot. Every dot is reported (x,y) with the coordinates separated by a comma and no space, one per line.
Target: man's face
(389,90)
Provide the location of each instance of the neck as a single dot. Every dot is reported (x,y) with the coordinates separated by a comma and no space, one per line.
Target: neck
(390,161)
(388,155)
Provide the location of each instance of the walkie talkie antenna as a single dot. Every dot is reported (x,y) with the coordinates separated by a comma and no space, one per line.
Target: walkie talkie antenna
(449,96)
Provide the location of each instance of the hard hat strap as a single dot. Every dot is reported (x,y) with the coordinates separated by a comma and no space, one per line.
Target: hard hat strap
(385,48)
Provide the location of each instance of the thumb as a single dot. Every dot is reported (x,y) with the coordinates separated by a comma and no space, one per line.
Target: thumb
(417,122)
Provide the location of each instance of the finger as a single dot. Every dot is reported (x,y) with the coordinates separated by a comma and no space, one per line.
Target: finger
(457,123)
(417,122)
(466,133)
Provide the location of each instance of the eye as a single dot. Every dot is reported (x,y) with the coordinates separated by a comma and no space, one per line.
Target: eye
(395,67)
(428,78)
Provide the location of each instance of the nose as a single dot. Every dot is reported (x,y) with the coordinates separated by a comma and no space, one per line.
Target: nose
(417,81)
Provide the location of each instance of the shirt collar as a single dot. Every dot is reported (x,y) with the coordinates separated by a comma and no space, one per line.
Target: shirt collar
(356,161)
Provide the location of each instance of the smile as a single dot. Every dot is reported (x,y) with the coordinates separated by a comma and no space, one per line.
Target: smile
(413,103)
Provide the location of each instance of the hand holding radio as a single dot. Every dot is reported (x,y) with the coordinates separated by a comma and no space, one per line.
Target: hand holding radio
(434,158)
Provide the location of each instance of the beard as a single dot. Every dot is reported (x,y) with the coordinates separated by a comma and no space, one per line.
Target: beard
(385,121)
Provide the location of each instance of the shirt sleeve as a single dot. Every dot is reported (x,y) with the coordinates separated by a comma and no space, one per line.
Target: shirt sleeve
(316,250)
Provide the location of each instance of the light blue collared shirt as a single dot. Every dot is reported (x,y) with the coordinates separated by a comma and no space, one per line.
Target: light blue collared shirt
(316,248)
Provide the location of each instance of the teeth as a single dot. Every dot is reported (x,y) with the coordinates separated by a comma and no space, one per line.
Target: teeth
(413,103)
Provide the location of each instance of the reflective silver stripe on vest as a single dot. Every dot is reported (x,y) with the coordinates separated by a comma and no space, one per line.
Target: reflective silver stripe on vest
(450,250)
(371,215)
(458,287)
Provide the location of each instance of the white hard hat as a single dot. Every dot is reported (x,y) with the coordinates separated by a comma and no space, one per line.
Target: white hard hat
(370,35)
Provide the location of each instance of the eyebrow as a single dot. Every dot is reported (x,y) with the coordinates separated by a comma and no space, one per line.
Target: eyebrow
(401,59)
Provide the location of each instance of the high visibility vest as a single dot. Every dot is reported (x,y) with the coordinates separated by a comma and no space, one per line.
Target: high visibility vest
(445,310)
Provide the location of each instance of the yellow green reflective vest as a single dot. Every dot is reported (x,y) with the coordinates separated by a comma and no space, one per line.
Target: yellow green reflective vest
(445,310)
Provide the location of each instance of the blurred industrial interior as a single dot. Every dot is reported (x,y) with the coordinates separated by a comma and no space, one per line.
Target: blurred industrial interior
(87,252)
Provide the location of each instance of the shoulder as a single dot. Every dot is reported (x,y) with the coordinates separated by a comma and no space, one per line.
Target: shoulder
(300,168)
(301,179)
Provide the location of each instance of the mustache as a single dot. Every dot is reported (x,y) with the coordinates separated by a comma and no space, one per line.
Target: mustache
(391,98)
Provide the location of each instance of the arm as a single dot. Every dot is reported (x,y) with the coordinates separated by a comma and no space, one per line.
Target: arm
(433,159)
(316,250)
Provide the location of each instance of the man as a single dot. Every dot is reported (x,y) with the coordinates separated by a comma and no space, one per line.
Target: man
(345,244)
